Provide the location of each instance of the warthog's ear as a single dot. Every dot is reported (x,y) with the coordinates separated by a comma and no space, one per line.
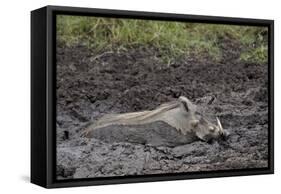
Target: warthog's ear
(184,101)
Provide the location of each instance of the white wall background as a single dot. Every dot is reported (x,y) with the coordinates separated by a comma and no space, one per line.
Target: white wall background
(15,94)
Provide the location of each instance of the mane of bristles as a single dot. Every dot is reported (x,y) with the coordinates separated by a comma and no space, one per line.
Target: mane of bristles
(134,118)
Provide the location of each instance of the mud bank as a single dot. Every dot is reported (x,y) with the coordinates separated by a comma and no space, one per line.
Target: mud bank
(90,85)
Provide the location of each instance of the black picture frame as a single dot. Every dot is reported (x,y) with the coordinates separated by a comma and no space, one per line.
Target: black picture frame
(43,111)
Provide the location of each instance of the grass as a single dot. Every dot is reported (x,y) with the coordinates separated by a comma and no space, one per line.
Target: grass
(172,39)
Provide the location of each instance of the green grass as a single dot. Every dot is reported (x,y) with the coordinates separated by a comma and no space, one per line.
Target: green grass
(173,39)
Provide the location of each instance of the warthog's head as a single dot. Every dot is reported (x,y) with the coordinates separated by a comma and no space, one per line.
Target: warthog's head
(199,124)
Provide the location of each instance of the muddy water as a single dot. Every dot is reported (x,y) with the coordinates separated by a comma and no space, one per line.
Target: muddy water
(91,85)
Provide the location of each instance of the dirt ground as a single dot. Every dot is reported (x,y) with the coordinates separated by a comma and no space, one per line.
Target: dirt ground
(91,85)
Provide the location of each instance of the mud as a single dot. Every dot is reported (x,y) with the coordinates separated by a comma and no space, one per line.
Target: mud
(90,85)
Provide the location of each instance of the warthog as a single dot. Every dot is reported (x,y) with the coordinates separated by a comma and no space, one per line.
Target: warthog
(172,123)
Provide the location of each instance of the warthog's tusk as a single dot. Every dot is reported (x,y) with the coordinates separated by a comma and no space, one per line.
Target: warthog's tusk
(219,124)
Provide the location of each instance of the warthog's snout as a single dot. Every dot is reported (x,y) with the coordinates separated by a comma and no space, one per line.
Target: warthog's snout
(210,131)
(222,136)
(225,135)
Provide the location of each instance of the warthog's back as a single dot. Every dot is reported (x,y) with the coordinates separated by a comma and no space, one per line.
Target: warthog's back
(157,133)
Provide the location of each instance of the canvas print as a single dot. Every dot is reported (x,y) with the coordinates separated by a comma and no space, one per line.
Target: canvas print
(146,97)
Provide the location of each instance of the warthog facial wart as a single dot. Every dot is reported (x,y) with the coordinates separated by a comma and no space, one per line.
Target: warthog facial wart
(180,114)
